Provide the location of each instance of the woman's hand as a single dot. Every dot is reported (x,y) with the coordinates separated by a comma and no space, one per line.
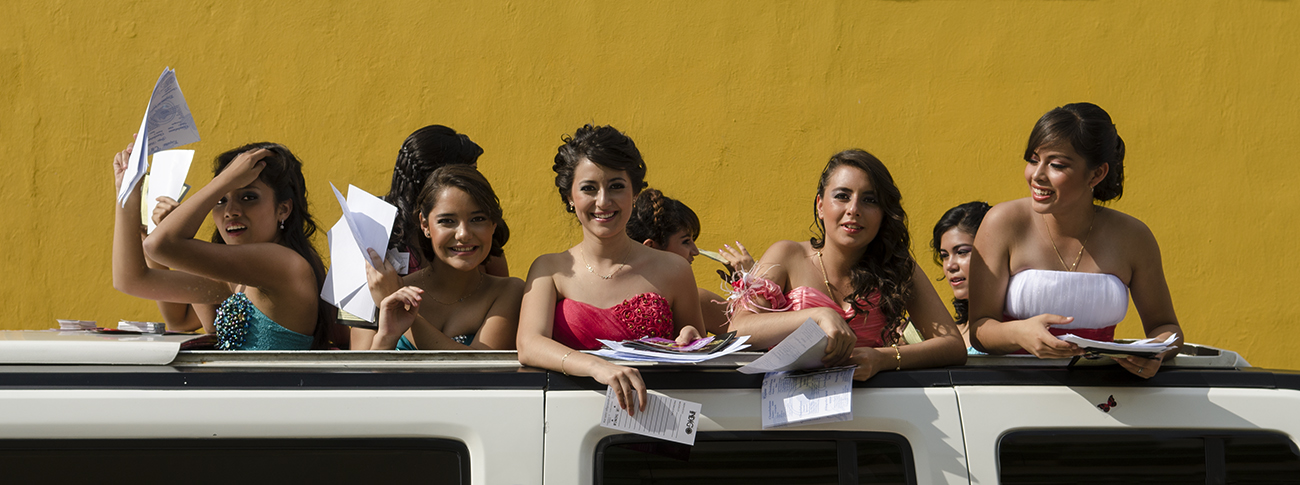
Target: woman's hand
(1032,335)
(624,382)
(869,361)
(244,169)
(687,335)
(397,312)
(165,206)
(119,165)
(381,277)
(1144,368)
(738,258)
(840,338)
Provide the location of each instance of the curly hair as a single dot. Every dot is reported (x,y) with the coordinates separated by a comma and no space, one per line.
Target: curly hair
(472,182)
(422,152)
(966,217)
(283,173)
(602,145)
(657,217)
(886,267)
(1091,133)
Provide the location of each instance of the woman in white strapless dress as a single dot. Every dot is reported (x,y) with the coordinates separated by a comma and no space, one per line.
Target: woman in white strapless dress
(1055,262)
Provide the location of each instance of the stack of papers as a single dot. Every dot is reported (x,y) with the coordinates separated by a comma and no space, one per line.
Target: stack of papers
(77,325)
(167,178)
(1146,348)
(167,124)
(142,327)
(367,223)
(637,350)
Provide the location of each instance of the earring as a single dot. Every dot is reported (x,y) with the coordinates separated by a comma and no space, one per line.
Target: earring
(281,224)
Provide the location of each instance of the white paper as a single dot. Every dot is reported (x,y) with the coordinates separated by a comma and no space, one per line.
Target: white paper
(802,349)
(616,350)
(367,222)
(167,178)
(167,124)
(796,399)
(401,261)
(664,418)
(1141,346)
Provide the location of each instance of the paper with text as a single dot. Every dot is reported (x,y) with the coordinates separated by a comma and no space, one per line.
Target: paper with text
(166,178)
(802,349)
(167,124)
(664,418)
(801,398)
(367,222)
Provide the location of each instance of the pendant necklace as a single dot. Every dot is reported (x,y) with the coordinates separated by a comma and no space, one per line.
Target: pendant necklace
(611,273)
(1082,244)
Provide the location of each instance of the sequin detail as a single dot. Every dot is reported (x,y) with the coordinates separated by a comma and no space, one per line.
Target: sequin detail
(232,322)
(646,314)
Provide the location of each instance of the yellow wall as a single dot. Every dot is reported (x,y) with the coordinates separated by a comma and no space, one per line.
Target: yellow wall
(736,106)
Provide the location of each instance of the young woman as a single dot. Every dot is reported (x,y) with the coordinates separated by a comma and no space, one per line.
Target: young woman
(260,266)
(459,227)
(424,151)
(667,224)
(608,286)
(1056,262)
(857,281)
(953,241)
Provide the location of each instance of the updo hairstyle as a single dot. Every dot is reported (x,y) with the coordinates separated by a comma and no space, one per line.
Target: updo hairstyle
(602,145)
(657,217)
(423,152)
(1089,130)
(466,178)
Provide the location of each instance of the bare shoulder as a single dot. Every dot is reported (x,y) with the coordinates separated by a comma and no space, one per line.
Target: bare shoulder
(662,262)
(786,251)
(550,264)
(505,285)
(1008,215)
(1132,231)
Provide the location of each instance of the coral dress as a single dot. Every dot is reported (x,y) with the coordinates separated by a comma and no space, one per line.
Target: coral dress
(866,327)
(1097,301)
(578,324)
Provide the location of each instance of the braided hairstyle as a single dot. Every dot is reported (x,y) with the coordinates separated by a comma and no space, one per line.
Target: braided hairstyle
(283,173)
(423,152)
(1091,133)
(886,266)
(469,180)
(657,217)
(967,218)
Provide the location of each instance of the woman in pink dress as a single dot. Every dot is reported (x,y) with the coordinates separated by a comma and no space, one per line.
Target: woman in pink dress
(857,281)
(608,286)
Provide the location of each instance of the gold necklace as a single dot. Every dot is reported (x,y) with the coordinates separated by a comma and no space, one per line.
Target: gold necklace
(825,279)
(611,273)
(1082,244)
(467,294)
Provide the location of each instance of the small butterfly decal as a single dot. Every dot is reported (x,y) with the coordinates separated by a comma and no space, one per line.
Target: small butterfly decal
(1110,403)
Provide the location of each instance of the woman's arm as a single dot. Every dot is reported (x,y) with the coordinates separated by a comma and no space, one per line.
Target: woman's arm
(767,329)
(538,349)
(688,321)
(501,325)
(990,273)
(1150,293)
(131,272)
(942,346)
(396,313)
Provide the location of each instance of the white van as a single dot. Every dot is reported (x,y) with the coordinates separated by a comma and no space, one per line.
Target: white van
(481,418)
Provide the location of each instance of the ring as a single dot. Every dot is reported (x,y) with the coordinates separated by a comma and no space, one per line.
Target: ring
(1140,369)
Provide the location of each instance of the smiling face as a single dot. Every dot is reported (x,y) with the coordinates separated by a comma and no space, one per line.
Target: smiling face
(954,254)
(682,244)
(1059,176)
(250,214)
(458,229)
(849,209)
(602,199)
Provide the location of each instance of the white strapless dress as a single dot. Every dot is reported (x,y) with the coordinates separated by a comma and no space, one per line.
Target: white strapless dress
(1097,301)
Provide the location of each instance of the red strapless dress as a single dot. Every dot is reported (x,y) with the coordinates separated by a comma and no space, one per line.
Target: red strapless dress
(578,324)
(866,327)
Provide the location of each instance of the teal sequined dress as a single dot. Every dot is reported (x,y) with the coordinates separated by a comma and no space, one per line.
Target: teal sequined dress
(241,326)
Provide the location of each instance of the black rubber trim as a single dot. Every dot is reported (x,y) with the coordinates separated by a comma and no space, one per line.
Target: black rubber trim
(244,378)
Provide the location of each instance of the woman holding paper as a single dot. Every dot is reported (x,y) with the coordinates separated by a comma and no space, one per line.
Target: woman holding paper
(608,286)
(857,281)
(460,227)
(1056,262)
(260,267)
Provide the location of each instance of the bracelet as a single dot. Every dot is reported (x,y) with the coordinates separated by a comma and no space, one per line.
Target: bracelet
(562,359)
(898,356)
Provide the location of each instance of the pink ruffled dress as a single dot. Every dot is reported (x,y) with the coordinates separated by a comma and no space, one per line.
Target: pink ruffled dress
(578,324)
(866,327)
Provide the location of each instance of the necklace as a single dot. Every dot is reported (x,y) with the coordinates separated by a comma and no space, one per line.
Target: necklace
(611,273)
(825,279)
(1082,244)
(471,291)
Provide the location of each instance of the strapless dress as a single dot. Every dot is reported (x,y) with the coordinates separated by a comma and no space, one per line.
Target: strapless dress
(1097,301)
(578,324)
(866,327)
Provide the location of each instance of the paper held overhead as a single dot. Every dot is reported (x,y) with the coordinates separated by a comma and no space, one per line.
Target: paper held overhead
(167,124)
(367,223)
(166,179)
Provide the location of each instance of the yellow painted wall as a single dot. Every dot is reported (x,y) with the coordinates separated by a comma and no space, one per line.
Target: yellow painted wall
(735,104)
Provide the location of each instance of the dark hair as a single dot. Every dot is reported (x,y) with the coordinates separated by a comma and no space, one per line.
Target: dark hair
(887,265)
(283,173)
(472,182)
(423,152)
(604,146)
(1091,133)
(966,217)
(657,217)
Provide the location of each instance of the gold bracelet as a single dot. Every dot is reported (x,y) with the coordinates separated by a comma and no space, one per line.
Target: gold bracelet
(562,359)
(898,356)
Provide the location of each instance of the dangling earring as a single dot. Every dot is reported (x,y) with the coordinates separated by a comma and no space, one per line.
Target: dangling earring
(281,224)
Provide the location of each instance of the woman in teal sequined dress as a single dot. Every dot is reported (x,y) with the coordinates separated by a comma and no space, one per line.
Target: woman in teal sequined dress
(260,270)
